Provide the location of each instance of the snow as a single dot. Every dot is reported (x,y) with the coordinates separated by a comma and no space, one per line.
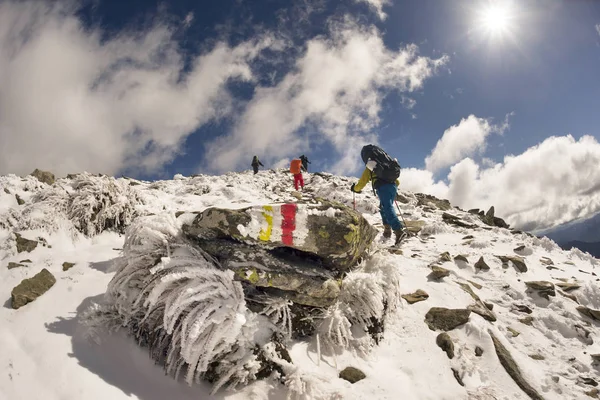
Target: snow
(48,352)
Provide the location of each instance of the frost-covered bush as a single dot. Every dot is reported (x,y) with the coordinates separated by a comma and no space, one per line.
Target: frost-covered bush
(100,203)
(174,300)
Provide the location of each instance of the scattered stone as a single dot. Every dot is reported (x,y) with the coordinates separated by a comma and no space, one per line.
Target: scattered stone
(395,250)
(478,351)
(537,357)
(414,226)
(595,357)
(555,378)
(518,262)
(12,265)
(20,201)
(488,218)
(513,369)
(468,289)
(480,308)
(429,200)
(445,257)
(419,295)
(6,191)
(583,333)
(546,261)
(32,288)
(514,332)
(352,374)
(569,296)
(67,266)
(589,381)
(402,199)
(527,321)
(461,258)
(454,220)
(543,288)
(468,237)
(522,308)
(590,313)
(43,176)
(593,393)
(446,319)
(568,287)
(178,213)
(457,376)
(26,261)
(438,273)
(519,248)
(482,265)
(25,244)
(444,341)
(489,306)
(475,284)
(569,263)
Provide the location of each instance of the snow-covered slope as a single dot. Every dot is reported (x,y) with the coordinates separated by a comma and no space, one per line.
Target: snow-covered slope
(47,353)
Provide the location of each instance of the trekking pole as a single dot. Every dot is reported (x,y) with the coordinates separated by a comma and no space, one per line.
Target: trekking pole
(401,216)
(354,200)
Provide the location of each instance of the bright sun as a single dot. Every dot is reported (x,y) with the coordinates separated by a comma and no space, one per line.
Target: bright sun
(495,19)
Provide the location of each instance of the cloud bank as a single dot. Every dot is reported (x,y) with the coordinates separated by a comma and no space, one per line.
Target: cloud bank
(377,6)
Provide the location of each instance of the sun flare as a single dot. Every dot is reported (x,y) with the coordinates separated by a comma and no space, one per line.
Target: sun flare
(495,19)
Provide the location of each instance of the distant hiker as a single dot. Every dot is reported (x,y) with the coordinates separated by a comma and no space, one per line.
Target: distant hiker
(296,169)
(305,162)
(383,173)
(255,163)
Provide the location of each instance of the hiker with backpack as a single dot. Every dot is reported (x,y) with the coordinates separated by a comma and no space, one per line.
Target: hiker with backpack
(255,163)
(383,173)
(305,162)
(296,170)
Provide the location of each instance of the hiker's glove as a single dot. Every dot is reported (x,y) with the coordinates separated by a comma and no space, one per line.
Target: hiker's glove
(354,190)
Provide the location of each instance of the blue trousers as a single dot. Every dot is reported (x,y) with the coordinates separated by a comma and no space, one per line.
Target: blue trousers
(387,195)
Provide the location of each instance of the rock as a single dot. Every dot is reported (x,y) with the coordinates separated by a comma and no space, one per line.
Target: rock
(518,262)
(446,319)
(25,244)
(468,237)
(555,379)
(454,220)
(480,308)
(445,257)
(488,219)
(588,381)
(461,258)
(569,296)
(478,351)
(419,295)
(444,341)
(44,176)
(438,273)
(20,201)
(537,357)
(335,233)
(590,313)
(429,200)
(567,287)
(474,211)
(475,285)
(593,393)
(178,213)
(352,374)
(513,369)
(6,191)
(482,265)
(543,288)
(500,223)
(402,199)
(526,320)
(489,306)
(546,261)
(522,308)
(414,226)
(513,332)
(30,289)
(457,377)
(25,261)
(595,357)
(12,265)
(67,266)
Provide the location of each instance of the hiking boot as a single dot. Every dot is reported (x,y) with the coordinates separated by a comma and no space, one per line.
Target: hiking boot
(387,231)
(400,235)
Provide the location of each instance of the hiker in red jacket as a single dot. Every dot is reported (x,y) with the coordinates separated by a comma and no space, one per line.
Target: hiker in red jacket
(296,170)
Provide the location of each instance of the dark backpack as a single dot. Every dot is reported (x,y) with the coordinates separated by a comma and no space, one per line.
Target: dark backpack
(387,169)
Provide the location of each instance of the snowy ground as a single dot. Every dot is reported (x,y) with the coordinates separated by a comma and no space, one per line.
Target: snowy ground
(46,353)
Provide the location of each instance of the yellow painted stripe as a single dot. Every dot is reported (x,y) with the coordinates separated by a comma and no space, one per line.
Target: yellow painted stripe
(265,234)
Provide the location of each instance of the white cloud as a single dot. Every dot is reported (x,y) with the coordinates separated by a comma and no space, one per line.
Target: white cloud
(459,141)
(72,99)
(598,28)
(548,184)
(336,87)
(408,103)
(377,6)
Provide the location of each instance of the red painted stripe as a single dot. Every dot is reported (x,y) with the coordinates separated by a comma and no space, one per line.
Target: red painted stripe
(288,223)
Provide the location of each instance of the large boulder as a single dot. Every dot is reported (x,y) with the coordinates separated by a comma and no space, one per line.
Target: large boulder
(44,176)
(30,289)
(335,233)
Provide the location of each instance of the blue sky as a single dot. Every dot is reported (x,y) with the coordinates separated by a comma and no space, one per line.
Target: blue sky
(482,101)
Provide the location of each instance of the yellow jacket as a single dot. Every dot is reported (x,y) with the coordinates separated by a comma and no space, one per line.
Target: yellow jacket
(367,176)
